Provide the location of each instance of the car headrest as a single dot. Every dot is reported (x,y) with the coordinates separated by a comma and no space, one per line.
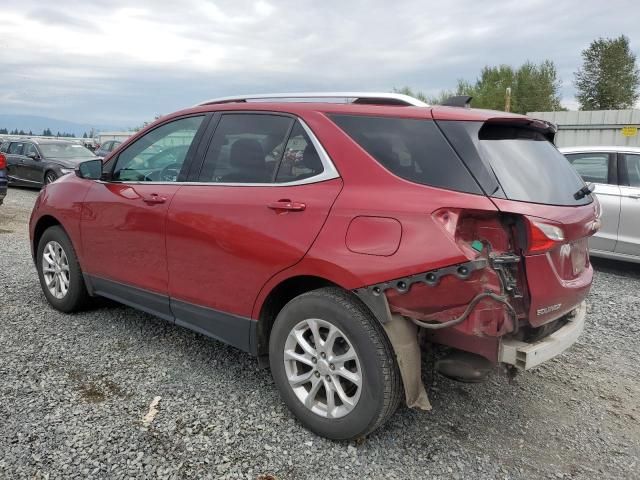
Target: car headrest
(246,153)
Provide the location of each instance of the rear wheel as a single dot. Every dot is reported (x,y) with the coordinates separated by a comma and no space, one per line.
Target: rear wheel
(59,271)
(333,364)
(50,177)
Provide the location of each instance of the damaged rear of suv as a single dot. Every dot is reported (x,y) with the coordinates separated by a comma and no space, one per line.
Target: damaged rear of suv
(475,239)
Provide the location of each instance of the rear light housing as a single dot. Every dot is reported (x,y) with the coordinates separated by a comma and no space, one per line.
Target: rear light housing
(542,236)
(3,161)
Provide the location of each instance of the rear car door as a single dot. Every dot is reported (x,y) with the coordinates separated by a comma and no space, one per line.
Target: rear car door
(123,220)
(262,195)
(629,230)
(15,161)
(600,169)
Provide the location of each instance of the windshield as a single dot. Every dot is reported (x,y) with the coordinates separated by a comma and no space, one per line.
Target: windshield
(64,150)
(526,165)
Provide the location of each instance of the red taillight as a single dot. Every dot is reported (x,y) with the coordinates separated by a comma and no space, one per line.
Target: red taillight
(3,161)
(543,236)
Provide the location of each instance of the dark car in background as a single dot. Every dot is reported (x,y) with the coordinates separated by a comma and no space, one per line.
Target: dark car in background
(3,171)
(32,162)
(107,147)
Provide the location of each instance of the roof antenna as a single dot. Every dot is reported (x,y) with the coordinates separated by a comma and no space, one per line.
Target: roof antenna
(458,101)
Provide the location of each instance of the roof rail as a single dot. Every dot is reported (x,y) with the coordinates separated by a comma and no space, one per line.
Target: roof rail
(341,97)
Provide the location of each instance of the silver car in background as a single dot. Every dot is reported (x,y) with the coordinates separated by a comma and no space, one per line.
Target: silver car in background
(615,172)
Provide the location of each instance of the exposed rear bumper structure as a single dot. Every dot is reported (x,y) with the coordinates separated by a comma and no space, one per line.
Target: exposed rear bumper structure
(528,355)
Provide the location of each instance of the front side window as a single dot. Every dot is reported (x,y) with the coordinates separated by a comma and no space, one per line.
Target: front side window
(632,162)
(29,149)
(158,156)
(246,148)
(16,148)
(592,167)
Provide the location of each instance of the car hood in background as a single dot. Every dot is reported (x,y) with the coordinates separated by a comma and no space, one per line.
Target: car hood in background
(69,162)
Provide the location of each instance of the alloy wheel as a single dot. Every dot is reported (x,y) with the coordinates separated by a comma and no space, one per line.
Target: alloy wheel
(323,368)
(55,268)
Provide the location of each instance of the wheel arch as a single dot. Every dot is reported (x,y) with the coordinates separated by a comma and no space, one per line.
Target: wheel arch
(41,226)
(275,300)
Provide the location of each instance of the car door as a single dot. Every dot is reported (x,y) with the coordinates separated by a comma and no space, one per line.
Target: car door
(262,195)
(123,219)
(629,230)
(32,164)
(600,168)
(15,161)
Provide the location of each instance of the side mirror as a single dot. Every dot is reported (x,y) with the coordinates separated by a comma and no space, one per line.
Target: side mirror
(90,170)
(33,156)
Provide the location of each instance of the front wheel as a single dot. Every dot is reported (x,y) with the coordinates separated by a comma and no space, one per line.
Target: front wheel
(50,177)
(333,364)
(59,271)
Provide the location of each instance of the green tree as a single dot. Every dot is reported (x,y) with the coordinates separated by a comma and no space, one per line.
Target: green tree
(47,133)
(609,77)
(84,135)
(534,88)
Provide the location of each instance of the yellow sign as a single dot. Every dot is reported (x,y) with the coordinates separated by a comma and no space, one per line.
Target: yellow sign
(629,131)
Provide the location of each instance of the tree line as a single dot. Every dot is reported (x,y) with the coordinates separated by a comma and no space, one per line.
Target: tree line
(45,133)
(607,80)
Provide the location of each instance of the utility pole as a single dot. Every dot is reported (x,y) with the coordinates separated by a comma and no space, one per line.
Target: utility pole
(507,100)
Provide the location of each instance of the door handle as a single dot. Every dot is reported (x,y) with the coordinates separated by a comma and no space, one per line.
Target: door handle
(153,199)
(287,205)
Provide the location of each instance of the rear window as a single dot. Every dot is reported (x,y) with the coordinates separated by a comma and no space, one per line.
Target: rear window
(526,165)
(413,149)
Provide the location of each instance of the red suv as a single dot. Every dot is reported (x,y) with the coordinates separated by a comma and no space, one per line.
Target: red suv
(328,234)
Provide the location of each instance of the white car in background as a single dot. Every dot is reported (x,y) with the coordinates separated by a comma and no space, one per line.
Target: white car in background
(615,172)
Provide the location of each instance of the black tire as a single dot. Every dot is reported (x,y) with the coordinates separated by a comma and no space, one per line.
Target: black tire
(50,177)
(381,390)
(76,297)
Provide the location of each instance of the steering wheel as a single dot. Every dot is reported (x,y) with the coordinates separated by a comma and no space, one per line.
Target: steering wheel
(170,172)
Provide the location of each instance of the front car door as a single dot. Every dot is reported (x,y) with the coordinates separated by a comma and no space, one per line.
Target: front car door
(262,195)
(629,230)
(123,220)
(32,165)
(600,169)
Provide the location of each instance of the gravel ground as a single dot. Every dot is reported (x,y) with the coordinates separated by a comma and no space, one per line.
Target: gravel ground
(74,390)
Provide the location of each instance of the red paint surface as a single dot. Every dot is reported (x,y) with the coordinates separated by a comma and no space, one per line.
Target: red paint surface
(224,243)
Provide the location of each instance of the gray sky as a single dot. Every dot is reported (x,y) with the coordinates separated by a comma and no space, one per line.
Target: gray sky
(120,62)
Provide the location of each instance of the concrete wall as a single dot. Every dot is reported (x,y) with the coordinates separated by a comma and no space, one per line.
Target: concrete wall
(597,127)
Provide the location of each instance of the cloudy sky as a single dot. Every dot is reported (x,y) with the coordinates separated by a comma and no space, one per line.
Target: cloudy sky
(121,62)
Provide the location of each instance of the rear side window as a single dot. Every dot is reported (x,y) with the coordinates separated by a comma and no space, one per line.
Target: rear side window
(4,147)
(412,149)
(300,159)
(632,165)
(592,167)
(246,148)
(16,148)
(524,164)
